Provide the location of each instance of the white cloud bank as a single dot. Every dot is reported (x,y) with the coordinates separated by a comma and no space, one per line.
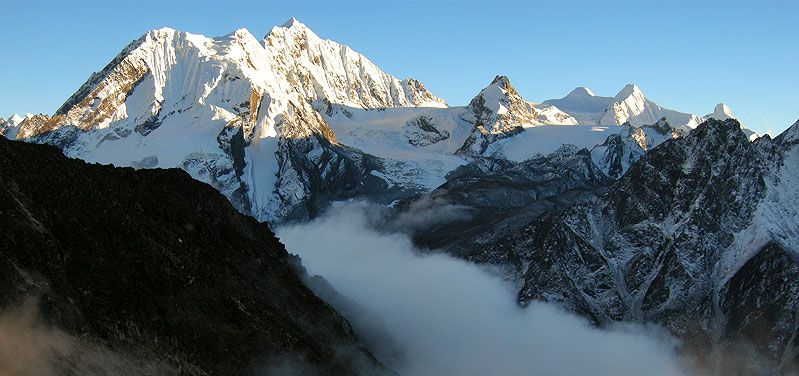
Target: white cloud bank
(449,317)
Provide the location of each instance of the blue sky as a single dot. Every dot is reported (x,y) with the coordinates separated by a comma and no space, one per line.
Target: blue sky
(685,55)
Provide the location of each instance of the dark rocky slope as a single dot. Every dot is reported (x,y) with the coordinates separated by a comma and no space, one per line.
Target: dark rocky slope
(499,197)
(699,235)
(159,271)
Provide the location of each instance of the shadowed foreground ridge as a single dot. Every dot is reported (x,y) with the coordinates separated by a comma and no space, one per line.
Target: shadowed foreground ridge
(150,271)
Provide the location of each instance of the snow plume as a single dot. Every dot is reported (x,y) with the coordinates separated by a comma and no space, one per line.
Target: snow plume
(27,347)
(426,211)
(30,348)
(430,314)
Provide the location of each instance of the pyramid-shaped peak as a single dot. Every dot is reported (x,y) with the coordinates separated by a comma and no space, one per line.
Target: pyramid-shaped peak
(291,22)
(499,84)
(581,91)
(721,112)
(629,90)
(503,81)
(16,119)
(790,136)
(293,27)
(723,109)
(241,33)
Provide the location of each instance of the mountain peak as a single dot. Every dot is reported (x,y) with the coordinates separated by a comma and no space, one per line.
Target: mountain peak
(500,89)
(291,26)
(294,24)
(291,22)
(580,91)
(15,119)
(721,112)
(789,136)
(503,81)
(161,33)
(240,34)
(629,90)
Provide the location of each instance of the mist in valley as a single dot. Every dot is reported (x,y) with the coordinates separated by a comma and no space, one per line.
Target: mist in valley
(426,313)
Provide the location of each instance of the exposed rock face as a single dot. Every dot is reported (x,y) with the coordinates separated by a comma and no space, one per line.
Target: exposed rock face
(723,112)
(498,197)
(499,108)
(422,131)
(498,111)
(188,287)
(13,126)
(686,238)
(620,151)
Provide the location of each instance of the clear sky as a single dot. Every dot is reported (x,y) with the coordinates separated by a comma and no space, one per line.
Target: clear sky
(685,55)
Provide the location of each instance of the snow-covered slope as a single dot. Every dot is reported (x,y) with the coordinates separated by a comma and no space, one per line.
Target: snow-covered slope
(8,127)
(583,105)
(417,145)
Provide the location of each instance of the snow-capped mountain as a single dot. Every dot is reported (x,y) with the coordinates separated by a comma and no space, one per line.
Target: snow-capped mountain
(499,108)
(631,106)
(498,112)
(323,70)
(583,105)
(285,125)
(721,112)
(233,111)
(10,127)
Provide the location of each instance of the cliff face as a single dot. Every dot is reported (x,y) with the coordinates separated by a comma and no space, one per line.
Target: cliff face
(699,235)
(159,270)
